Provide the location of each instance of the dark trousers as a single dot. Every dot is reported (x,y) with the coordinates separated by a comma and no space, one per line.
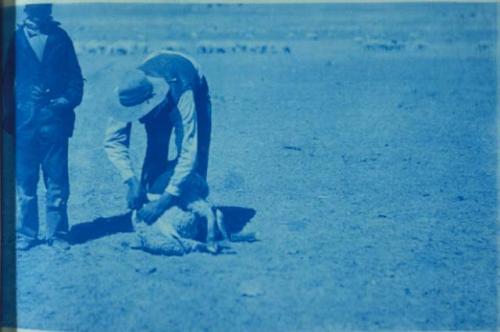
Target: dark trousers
(51,155)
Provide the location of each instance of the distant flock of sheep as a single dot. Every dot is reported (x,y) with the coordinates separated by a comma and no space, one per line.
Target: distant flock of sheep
(128,47)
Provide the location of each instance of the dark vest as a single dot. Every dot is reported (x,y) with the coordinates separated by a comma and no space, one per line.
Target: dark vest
(158,131)
(157,169)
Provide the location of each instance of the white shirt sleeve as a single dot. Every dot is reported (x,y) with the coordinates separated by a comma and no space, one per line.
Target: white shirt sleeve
(186,133)
(116,145)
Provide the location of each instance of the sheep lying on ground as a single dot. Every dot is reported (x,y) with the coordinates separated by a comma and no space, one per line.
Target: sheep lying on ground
(178,232)
(195,227)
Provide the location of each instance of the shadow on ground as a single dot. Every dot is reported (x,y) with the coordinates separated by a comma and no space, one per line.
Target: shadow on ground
(101,227)
(235,217)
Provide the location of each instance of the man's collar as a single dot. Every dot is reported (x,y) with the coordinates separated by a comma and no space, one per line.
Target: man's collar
(30,33)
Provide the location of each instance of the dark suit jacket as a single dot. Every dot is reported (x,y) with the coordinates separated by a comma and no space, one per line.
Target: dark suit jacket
(59,73)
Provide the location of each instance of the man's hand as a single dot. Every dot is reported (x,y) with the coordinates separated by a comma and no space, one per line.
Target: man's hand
(153,210)
(136,196)
(40,95)
(59,103)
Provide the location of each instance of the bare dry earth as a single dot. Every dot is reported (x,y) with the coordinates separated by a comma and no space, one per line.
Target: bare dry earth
(364,138)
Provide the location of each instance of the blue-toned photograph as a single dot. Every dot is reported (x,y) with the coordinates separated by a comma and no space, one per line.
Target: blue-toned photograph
(249,166)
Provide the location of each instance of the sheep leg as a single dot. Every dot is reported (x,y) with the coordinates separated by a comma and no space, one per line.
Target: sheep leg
(212,246)
(219,218)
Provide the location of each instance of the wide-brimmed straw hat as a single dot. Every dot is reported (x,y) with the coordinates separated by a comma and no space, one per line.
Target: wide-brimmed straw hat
(136,95)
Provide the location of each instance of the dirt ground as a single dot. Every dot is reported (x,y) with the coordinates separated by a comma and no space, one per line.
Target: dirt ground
(362,137)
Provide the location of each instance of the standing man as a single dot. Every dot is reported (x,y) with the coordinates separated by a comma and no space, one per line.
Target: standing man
(167,93)
(42,85)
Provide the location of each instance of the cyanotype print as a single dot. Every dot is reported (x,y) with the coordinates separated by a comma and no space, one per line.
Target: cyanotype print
(250,167)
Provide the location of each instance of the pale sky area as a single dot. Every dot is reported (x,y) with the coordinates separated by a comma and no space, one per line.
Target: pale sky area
(22,2)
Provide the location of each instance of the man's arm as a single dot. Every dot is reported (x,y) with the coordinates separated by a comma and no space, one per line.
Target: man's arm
(186,131)
(72,96)
(116,145)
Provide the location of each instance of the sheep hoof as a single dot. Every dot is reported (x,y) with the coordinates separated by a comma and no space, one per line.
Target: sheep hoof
(213,248)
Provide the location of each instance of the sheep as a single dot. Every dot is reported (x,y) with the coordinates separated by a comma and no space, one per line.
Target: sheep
(194,225)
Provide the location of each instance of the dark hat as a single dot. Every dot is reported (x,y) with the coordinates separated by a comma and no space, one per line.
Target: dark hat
(41,10)
(137,94)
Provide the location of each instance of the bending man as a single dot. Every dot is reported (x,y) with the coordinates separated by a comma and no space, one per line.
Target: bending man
(166,94)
